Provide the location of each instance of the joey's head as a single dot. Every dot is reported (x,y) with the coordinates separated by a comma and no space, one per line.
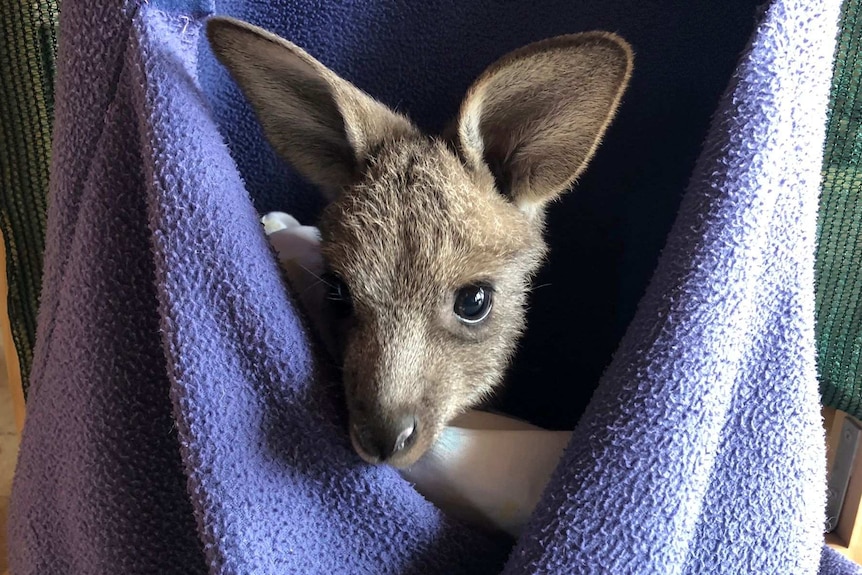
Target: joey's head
(430,243)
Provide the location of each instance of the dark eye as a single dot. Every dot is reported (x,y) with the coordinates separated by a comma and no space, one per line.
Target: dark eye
(338,294)
(473,303)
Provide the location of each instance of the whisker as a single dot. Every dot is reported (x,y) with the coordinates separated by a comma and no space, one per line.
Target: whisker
(312,286)
(314,275)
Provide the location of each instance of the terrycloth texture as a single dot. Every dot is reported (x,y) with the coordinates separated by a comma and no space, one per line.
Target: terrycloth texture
(28,44)
(839,251)
(178,421)
(834,563)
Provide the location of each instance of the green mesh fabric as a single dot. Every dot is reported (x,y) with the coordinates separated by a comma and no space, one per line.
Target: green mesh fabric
(839,256)
(28,45)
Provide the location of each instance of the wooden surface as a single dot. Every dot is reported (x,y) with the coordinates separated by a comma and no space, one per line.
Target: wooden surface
(11,411)
(13,368)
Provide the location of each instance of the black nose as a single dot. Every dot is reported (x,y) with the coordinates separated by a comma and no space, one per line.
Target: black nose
(387,437)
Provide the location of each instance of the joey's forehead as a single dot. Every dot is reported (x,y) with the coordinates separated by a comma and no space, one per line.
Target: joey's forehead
(426,218)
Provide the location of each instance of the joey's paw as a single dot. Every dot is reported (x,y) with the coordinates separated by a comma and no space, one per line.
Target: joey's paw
(277,221)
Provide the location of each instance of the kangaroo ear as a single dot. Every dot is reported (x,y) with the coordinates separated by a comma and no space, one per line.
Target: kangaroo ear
(535,117)
(320,123)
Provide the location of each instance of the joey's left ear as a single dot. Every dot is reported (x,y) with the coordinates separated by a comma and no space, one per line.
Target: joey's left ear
(319,122)
(536,116)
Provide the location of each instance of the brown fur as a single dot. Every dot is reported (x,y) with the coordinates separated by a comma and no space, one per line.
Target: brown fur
(415,218)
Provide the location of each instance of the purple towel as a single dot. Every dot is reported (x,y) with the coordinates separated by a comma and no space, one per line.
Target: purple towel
(180,422)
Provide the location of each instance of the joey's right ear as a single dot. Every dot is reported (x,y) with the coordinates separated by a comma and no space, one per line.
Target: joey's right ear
(320,123)
(536,116)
